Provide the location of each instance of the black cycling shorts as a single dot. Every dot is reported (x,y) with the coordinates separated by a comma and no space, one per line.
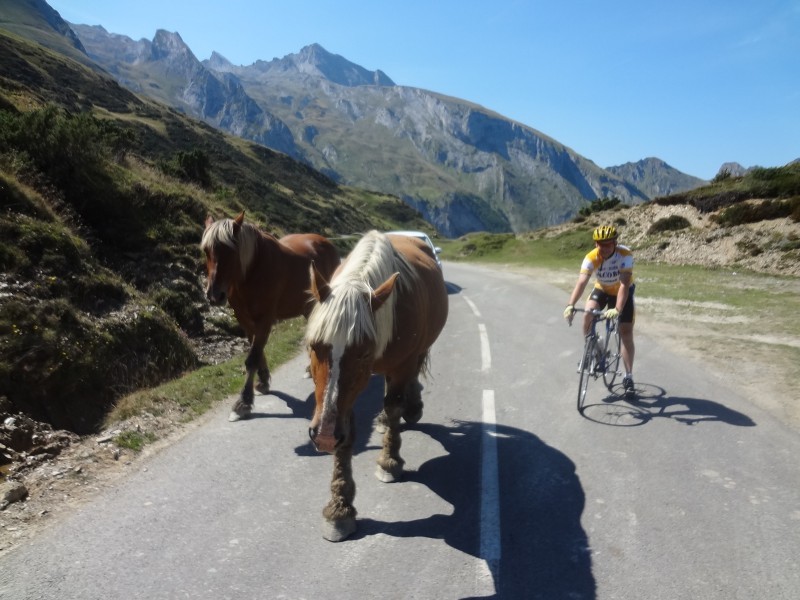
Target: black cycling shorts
(605,300)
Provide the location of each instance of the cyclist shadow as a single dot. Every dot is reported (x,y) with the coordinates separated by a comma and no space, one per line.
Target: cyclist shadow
(652,402)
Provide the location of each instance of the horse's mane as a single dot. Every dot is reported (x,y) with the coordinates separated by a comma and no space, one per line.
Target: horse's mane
(222,232)
(346,317)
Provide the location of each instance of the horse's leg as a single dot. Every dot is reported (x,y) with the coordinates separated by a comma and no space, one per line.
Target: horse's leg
(412,402)
(382,421)
(340,514)
(413,399)
(244,405)
(264,377)
(390,465)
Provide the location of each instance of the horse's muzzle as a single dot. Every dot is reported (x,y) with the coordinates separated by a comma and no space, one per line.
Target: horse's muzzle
(324,442)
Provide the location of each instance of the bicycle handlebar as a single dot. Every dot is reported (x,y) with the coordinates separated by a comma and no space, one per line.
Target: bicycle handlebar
(598,314)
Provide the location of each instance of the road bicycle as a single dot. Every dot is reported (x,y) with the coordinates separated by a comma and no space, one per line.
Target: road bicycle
(601,354)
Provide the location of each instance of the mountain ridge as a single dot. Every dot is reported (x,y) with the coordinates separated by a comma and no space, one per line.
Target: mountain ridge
(464,167)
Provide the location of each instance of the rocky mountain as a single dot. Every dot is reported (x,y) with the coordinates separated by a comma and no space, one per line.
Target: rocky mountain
(656,178)
(166,69)
(734,169)
(464,167)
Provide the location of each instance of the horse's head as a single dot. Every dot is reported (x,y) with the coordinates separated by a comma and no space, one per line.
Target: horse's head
(221,246)
(343,348)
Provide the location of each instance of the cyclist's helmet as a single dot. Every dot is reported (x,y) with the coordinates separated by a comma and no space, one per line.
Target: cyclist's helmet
(604,233)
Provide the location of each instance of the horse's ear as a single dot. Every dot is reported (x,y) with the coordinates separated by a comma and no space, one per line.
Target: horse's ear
(383,292)
(209,221)
(239,218)
(320,288)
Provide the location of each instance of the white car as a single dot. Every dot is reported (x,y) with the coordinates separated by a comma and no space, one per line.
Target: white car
(424,237)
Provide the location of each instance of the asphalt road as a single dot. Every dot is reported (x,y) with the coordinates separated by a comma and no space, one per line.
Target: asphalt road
(509,492)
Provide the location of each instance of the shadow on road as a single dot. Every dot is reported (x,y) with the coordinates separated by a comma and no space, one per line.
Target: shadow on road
(542,544)
(652,402)
(301,409)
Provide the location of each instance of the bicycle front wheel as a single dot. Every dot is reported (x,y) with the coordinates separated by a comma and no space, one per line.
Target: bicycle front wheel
(586,370)
(612,352)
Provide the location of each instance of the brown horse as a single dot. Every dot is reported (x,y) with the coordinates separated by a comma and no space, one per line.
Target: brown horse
(381,312)
(265,280)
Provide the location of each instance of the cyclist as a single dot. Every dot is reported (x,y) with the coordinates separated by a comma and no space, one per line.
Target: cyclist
(612,264)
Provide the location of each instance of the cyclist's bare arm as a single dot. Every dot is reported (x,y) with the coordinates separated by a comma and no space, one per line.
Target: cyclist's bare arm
(580,285)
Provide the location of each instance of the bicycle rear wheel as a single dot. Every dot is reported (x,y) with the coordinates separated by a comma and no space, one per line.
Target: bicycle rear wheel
(612,352)
(586,370)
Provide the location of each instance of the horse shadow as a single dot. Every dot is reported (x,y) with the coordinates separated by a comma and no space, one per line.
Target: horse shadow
(543,546)
(653,402)
(300,409)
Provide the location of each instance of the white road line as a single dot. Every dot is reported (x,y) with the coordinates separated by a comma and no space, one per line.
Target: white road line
(490,499)
(472,306)
(489,570)
(486,355)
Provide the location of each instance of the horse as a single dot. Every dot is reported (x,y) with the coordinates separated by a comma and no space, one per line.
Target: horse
(265,280)
(380,313)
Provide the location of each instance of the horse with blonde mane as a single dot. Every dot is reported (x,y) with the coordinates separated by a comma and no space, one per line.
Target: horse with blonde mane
(265,280)
(381,312)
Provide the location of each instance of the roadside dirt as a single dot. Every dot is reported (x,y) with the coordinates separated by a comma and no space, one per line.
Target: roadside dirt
(67,471)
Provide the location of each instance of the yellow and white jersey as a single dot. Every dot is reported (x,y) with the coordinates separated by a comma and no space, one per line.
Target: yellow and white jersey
(607,271)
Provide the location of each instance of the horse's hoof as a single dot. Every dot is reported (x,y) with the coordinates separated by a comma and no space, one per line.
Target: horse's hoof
(388,476)
(338,531)
(262,388)
(413,417)
(239,413)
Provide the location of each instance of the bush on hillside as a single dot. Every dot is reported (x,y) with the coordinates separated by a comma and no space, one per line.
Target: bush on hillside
(66,369)
(726,190)
(749,212)
(598,205)
(66,148)
(193,166)
(671,223)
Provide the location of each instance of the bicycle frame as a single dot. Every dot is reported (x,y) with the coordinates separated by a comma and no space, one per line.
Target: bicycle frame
(601,355)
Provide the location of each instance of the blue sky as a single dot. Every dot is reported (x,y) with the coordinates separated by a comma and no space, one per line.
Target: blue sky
(693,82)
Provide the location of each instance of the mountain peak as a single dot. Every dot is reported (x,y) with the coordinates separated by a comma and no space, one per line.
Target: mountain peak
(315,60)
(219,62)
(169,44)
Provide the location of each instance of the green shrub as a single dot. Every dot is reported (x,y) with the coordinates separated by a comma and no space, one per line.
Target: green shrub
(180,304)
(598,205)
(67,148)
(64,368)
(134,440)
(747,212)
(723,175)
(193,166)
(671,223)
